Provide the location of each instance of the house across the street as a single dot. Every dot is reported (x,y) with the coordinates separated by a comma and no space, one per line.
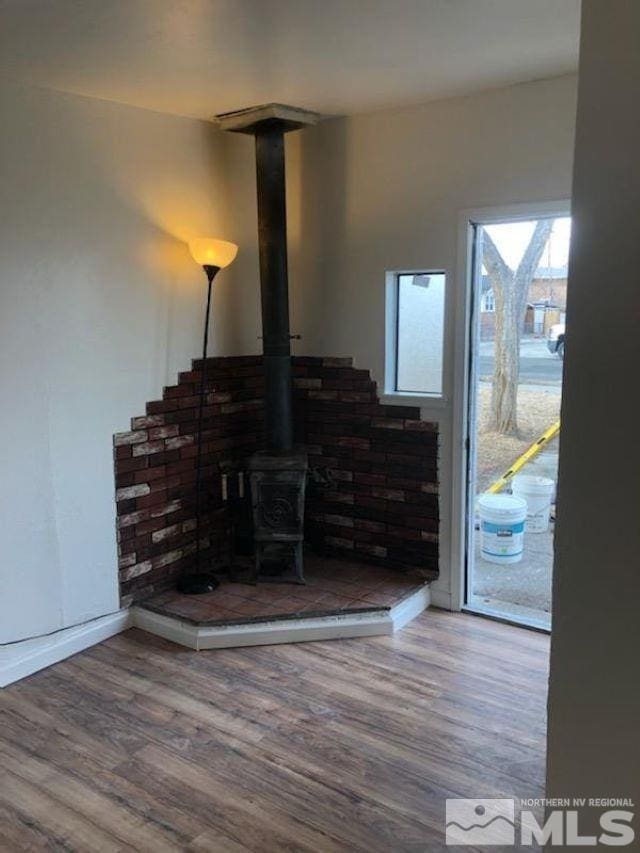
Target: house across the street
(546,303)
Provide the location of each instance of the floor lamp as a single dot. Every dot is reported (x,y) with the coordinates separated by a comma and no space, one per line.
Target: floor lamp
(212,255)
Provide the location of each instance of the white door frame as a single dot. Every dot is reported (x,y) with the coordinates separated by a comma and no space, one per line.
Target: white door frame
(461,367)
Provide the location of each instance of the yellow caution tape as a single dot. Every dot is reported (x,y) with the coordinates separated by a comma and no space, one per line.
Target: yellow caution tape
(527,456)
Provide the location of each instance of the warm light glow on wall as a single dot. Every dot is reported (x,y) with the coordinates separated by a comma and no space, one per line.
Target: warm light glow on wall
(208,251)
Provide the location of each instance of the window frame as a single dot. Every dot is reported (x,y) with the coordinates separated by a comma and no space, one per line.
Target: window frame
(392,343)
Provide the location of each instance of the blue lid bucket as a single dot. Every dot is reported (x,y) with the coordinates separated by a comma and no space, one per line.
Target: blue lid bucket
(502,519)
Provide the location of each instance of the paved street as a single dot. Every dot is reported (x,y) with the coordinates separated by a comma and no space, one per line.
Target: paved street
(537,365)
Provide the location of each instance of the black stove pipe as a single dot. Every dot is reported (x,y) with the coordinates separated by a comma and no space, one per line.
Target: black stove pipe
(274,286)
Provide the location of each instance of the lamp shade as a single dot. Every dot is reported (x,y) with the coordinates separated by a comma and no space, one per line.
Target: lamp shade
(208,251)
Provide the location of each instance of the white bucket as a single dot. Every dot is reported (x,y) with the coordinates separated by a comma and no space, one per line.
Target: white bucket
(502,527)
(538,493)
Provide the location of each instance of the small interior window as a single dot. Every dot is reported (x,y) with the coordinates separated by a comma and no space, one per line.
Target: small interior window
(419,332)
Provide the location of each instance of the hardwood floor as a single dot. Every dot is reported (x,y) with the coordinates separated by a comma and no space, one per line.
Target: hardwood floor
(139,744)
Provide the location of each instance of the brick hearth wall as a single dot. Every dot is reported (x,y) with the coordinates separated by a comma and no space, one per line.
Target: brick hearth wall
(372,495)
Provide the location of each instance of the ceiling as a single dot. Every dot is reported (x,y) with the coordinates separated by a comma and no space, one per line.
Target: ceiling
(201,57)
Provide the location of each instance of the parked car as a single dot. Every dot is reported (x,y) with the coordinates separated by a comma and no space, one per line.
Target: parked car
(555,339)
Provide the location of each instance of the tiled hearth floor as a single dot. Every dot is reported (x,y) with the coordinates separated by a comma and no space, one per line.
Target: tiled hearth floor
(333,587)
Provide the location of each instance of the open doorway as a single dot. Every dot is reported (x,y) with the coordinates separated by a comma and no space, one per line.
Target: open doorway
(515,386)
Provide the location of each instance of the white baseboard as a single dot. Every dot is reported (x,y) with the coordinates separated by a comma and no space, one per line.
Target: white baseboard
(21,659)
(411,607)
(370,624)
(441,598)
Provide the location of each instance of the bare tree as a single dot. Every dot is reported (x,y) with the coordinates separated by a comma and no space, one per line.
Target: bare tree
(510,288)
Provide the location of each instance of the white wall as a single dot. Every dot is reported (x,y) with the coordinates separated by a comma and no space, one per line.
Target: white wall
(594,700)
(100,307)
(385,191)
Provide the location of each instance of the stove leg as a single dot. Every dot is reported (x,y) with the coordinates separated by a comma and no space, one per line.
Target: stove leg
(253,577)
(298,563)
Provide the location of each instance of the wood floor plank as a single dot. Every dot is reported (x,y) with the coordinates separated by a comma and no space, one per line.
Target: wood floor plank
(26,704)
(113,814)
(216,818)
(416,726)
(154,807)
(329,802)
(19,833)
(439,735)
(67,828)
(346,745)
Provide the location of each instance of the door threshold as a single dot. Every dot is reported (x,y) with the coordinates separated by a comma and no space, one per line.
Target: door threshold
(531,623)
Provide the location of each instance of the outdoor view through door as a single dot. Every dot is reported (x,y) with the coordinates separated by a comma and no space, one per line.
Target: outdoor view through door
(517,335)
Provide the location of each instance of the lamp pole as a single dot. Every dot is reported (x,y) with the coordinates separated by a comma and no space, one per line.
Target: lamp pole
(204,251)
(211,272)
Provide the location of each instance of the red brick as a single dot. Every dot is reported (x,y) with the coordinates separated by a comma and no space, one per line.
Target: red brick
(186,390)
(132,518)
(403,532)
(163,431)
(339,542)
(127,479)
(371,503)
(371,526)
(339,520)
(149,526)
(148,475)
(191,402)
(404,483)
(166,533)
(159,407)
(420,426)
(135,571)
(339,497)
(307,383)
(341,475)
(153,499)
(148,447)
(172,506)
(180,467)
(387,423)
(355,396)
(132,437)
(372,550)
(370,479)
(429,488)
(178,442)
(350,441)
(136,491)
(166,483)
(147,421)
(163,458)
(330,361)
(370,456)
(388,494)
(127,560)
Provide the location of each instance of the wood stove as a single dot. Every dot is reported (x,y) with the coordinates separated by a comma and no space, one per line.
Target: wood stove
(278,475)
(277,493)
